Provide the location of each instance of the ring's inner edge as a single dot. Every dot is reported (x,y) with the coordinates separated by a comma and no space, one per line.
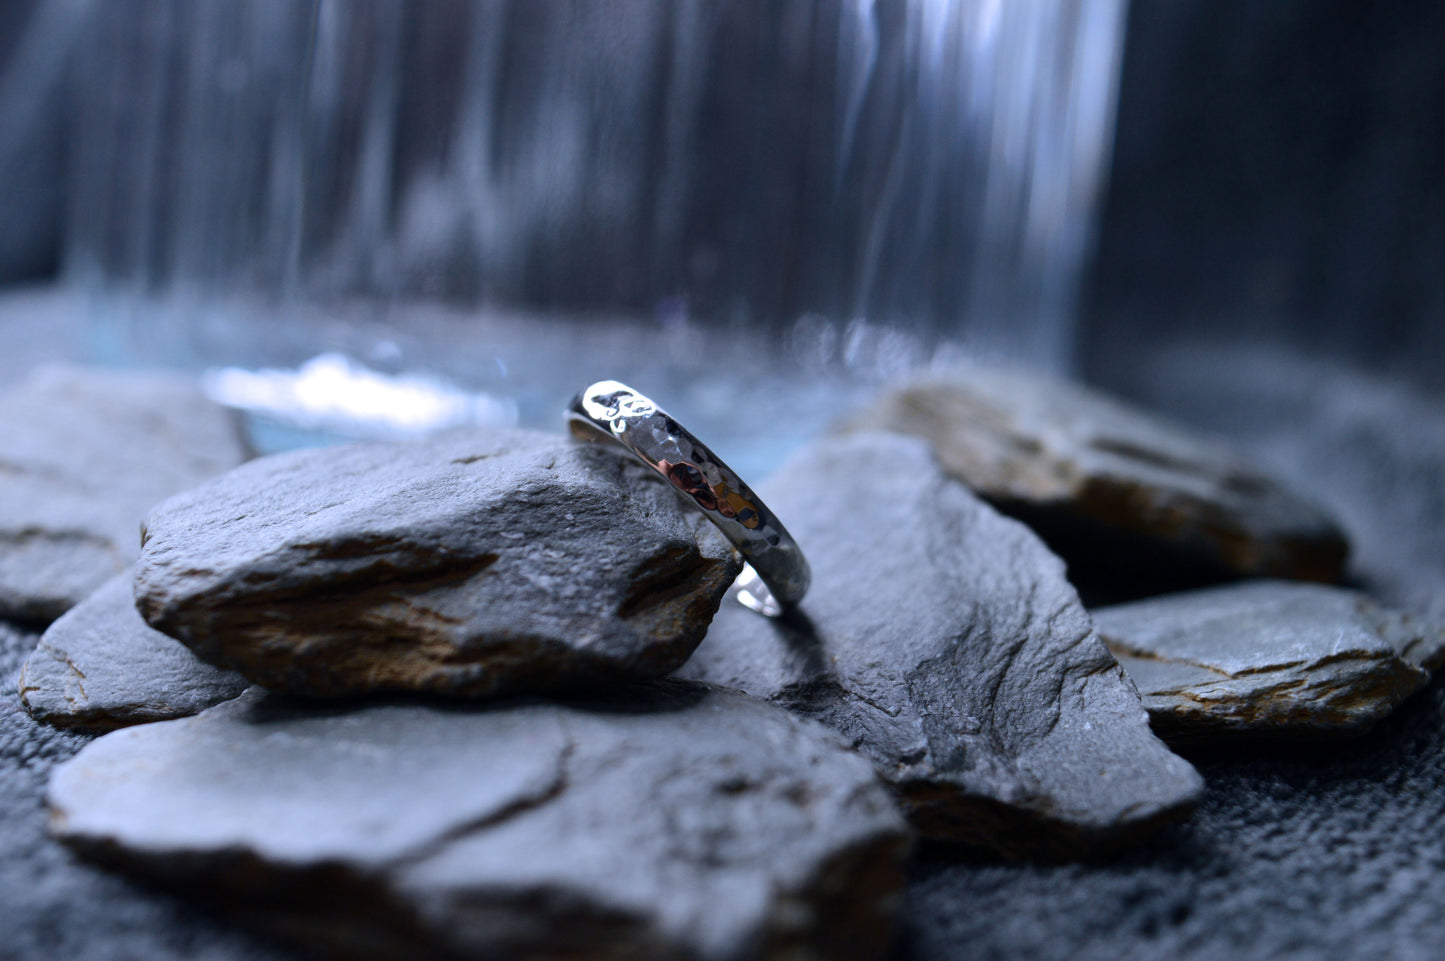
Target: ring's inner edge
(750,591)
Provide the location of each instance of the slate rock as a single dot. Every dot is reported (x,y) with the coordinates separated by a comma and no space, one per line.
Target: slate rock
(84,454)
(100,667)
(52,904)
(1128,498)
(943,640)
(672,820)
(479,564)
(1269,658)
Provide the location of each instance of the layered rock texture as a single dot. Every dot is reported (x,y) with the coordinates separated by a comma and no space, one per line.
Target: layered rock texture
(943,640)
(84,454)
(101,667)
(1126,497)
(1315,849)
(479,564)
(676,821)
(1270,659)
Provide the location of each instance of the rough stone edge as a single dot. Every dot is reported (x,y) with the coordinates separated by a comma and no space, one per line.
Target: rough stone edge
(1186,727)
(292,912)
(1215,547)
(1419,644)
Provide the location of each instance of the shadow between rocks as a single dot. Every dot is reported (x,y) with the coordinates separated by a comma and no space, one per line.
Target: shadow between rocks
(625,697)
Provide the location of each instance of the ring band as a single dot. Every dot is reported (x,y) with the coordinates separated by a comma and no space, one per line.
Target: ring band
(775,575)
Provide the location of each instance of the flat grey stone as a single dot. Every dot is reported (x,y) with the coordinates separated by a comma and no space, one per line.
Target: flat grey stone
(674,821)
(1107,484)
(83,455)
(943,640)
(101,667)
(478,564)
(1269,658)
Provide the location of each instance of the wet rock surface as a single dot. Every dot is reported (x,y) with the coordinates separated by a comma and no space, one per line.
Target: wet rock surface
(676,821)
(1268,659)
(84,454)
(1135,503)
(101,667)
(944,641)
(481,563)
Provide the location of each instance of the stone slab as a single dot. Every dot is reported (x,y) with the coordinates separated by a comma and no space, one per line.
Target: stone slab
(671,821)
(1268,659)
(481,563)
(84,454)
(1129,498)
(943,640)
(100,667)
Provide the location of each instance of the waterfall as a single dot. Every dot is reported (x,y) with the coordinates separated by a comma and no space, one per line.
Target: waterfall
(835,171)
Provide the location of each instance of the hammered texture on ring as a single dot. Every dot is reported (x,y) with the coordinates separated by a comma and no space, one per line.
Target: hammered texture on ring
(776,574)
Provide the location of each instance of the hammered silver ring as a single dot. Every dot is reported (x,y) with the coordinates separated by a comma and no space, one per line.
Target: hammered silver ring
(775,574)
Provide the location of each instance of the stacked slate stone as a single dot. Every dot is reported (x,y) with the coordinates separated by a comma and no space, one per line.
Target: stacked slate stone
(1137,505)
(485,695)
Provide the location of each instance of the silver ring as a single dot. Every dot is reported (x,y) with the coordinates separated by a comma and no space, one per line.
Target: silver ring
(775,575)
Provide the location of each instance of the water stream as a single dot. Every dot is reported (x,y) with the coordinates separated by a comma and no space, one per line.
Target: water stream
(835,185)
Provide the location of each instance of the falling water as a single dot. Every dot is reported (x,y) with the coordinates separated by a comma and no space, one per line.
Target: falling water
(924,165)
(848,184)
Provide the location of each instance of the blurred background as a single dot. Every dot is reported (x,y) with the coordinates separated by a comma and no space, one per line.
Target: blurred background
(492,203)
(1277,181)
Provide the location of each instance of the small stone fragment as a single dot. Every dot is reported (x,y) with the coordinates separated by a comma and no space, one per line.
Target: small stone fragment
(944,641)
(1126,497)
(477,564)
(83,455)
(1268,658)
(672,821)
(100,667)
